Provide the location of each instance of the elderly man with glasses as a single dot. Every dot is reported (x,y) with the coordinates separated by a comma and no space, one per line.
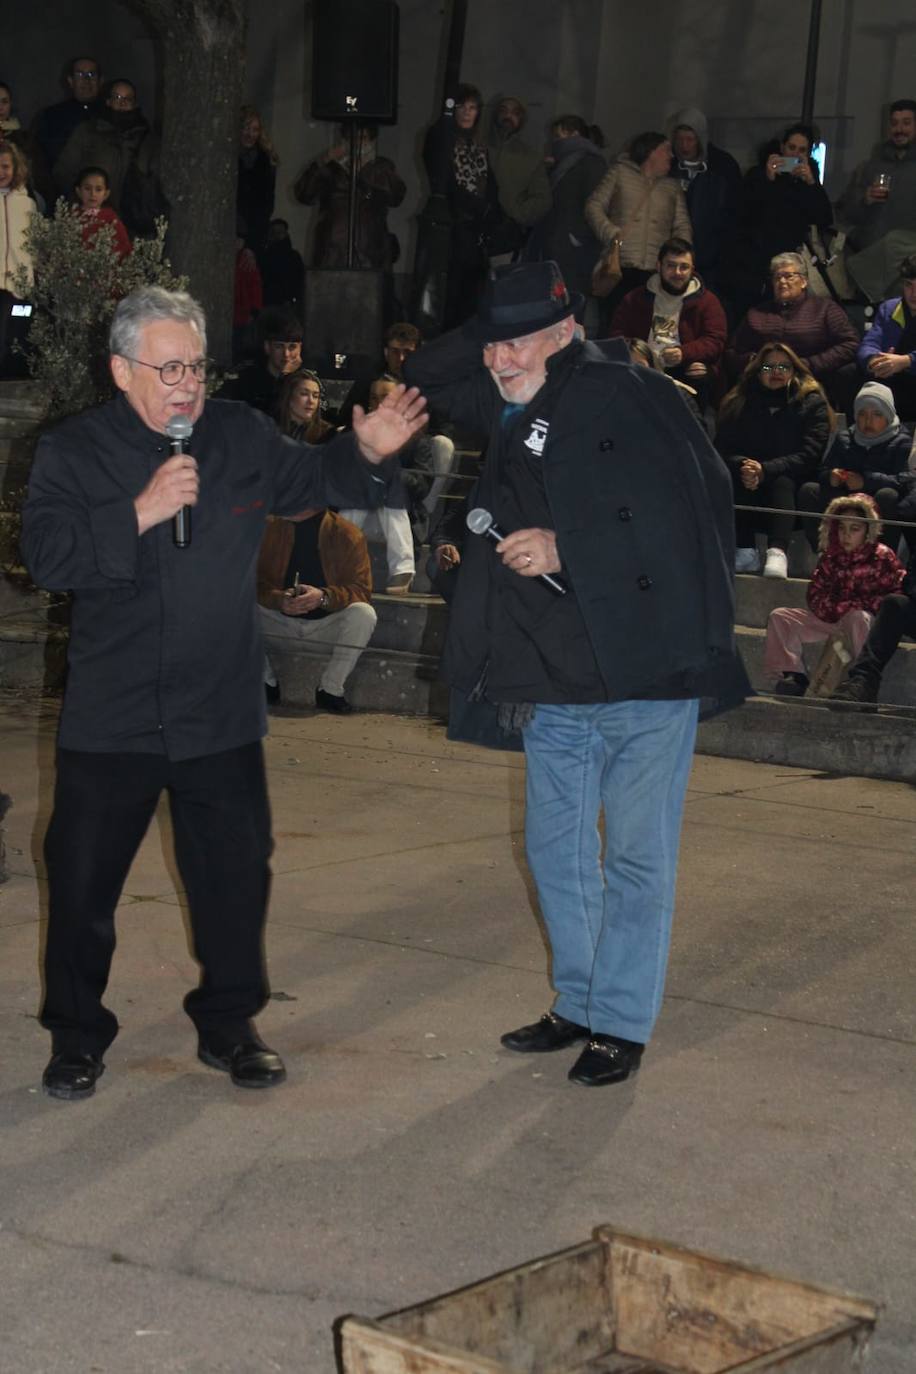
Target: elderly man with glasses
(53,126)
(165,668)
(814,327)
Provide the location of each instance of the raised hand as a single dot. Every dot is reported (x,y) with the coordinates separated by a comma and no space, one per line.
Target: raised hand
(398,418)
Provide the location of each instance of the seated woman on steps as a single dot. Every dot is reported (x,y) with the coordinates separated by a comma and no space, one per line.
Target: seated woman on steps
(773,430)
(299,408)
(853,575)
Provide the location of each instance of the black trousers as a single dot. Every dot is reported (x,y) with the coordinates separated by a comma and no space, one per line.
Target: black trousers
(103,804)
(896,617)
(903,385)
(778,492)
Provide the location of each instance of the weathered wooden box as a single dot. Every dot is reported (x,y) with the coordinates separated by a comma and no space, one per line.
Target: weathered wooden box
(620,1304)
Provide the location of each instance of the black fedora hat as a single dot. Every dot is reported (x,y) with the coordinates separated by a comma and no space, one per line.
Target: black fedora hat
(521,299)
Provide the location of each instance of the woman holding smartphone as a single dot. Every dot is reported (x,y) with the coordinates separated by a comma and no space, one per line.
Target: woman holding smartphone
(780,198)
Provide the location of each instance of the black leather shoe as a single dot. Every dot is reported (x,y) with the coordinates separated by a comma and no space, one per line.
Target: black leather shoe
(791,685)
(859,691)
(327,701)
(251,1065)
(72,1076)
(606,1059)
(552,1032)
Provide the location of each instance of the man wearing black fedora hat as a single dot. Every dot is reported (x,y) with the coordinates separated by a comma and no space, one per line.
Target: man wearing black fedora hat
(596,476)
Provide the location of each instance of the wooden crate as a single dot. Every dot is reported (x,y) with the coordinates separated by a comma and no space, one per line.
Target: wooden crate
(619,1304)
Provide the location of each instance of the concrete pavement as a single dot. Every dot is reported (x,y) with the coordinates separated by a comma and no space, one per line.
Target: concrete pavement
(175,1224)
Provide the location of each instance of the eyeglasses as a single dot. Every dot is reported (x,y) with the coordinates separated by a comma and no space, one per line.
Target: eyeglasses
(87,76)
(170,374)
(786,276)
(121,99)
(781,368)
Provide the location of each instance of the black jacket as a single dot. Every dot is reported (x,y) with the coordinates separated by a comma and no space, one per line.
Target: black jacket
(165,649)
(712,200)
(642,509)
(774,217)
(787,436)
(564,234)
(882,466)
(254,196)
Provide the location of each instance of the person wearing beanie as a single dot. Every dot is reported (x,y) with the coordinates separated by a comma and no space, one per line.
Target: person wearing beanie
(853,575)
(870,456)
(597,478)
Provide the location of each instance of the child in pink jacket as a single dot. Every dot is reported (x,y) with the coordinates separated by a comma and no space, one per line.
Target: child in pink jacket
(853,575)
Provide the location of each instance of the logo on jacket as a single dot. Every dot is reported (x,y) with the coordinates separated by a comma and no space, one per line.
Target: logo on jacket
(538,436)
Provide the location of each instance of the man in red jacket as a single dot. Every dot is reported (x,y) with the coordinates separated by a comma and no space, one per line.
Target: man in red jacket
(683,322)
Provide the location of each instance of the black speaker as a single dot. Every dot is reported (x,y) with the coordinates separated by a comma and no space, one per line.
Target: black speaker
(343,311)
(355,60)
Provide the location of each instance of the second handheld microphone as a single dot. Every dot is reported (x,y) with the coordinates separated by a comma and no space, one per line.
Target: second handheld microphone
(480,521)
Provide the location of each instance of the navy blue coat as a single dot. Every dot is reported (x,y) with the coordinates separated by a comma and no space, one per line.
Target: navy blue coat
(642,510)
(165,646)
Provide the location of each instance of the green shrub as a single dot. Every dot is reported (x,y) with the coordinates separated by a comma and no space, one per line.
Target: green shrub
(77,286)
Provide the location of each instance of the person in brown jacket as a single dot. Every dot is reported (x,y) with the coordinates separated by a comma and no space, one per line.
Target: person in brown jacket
(326,183)
(314,586)
(639,204)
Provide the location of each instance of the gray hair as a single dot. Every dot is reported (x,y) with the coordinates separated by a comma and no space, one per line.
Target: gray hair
(793,260)
(147,305)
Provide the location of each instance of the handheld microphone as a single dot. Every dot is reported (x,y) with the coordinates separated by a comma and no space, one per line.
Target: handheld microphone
(179,429)
(480,521)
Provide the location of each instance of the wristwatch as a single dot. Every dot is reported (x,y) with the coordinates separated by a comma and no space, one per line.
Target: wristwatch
(325,601)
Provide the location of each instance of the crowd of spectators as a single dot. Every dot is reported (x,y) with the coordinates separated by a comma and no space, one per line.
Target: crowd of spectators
(717,285)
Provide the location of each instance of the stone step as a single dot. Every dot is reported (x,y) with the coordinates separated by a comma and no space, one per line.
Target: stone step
(383,679)
(898,684)
(756,596)
(32,653)
(22,401)
(803,734)
(799,734)
(415,623)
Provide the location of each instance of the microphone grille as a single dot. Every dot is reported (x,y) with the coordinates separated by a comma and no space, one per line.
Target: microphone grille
(479,520)
(179,427)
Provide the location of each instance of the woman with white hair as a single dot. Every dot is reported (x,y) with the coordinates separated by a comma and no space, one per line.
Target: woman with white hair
(814,327)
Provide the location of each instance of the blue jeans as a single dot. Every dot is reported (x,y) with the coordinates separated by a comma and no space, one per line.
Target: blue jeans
(609,919)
